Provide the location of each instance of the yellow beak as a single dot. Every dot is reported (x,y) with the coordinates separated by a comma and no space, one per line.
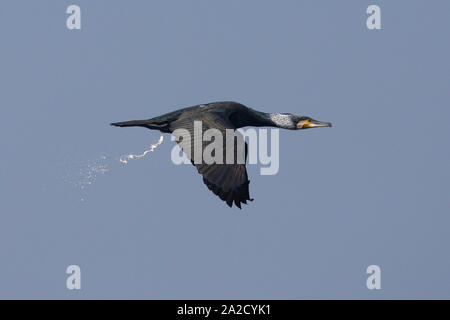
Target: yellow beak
(312,124)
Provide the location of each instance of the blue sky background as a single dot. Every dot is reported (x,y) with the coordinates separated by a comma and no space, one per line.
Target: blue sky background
(371,190)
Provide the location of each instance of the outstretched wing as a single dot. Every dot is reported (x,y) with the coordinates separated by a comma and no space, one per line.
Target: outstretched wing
(228,181)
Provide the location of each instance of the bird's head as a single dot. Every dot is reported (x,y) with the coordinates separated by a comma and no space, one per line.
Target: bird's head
(295,122)
(302,122)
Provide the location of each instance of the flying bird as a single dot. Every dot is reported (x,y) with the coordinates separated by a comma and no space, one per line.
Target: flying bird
(228,181)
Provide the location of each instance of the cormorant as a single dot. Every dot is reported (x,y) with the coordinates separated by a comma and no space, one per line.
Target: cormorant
(228,181)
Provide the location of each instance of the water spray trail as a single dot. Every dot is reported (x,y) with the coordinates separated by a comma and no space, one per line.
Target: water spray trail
(124,159)
(84,173)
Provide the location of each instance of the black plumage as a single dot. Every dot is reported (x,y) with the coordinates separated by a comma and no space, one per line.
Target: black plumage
(228,181)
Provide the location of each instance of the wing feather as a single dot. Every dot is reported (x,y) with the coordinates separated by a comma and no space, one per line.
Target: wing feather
(228,181)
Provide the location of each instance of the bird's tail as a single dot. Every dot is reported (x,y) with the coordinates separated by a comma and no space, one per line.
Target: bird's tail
(149,124)
(132,123)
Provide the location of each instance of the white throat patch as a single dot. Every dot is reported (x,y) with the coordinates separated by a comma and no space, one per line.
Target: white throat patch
(282,120)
